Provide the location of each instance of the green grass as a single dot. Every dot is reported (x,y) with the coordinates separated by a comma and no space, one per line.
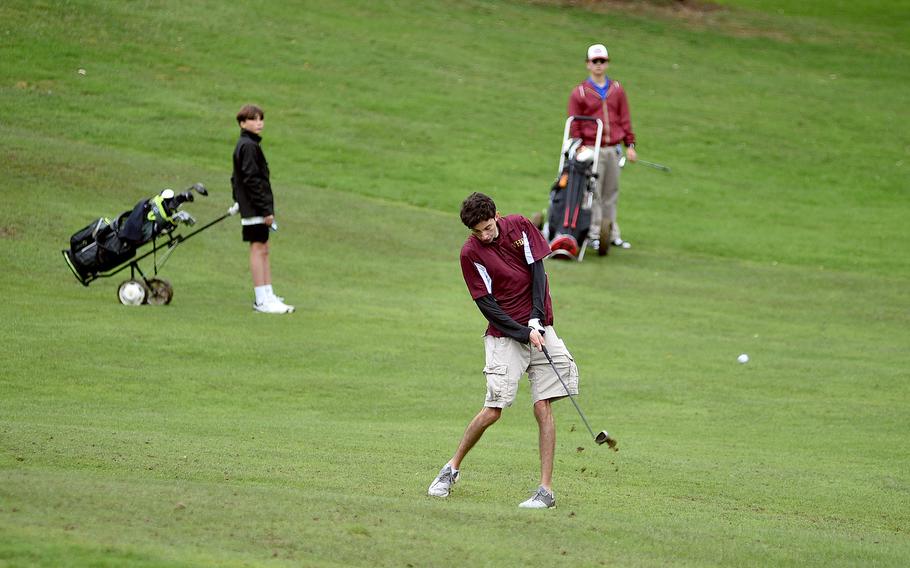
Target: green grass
(203,434)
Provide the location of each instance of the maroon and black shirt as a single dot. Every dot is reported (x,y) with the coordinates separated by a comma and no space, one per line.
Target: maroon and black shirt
(502,269)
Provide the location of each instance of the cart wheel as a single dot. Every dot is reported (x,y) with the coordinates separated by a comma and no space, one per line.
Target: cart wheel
(537,220)
(132,293)
(605,232)
(160,292)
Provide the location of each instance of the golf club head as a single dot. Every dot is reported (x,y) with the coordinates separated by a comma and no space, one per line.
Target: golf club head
(604,438)
(200,189)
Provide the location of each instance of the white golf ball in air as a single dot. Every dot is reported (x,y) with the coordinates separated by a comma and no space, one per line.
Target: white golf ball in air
(743,358)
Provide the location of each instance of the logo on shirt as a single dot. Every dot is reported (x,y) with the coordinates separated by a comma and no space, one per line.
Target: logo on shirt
(519,243)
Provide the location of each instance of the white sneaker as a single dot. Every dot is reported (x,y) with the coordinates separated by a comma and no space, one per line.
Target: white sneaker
(273,306)
(289,308)
(622,244)
(542,499)
(443,482)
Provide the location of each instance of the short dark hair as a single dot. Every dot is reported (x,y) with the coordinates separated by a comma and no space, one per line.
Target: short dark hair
(249,112)
(477,208)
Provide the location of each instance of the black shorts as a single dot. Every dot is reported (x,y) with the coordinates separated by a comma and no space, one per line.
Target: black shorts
(258,233)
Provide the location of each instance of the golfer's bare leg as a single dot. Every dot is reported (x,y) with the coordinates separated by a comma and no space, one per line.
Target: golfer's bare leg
(267,266)
(543,412)
(259,264)
(484,419)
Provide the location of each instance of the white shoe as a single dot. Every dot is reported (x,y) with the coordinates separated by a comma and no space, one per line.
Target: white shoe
(290,309)
(542,499)
(443,482)
(273,306)
(622,244)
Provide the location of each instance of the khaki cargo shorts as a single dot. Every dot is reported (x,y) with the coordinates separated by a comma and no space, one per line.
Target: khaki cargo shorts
(507,360)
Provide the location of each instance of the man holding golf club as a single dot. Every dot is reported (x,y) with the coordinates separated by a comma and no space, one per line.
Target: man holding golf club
(502,265)
(600,97)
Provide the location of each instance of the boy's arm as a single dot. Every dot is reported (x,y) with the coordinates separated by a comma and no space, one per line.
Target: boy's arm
(536,250)
(491,310)
(574,109)
(254,180)
(538,290)
(481,291)
(625,119)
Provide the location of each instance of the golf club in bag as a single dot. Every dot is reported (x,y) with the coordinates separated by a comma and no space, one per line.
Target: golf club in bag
(602,437)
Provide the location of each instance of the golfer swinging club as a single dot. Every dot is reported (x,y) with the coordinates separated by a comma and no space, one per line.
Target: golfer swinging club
(502,264)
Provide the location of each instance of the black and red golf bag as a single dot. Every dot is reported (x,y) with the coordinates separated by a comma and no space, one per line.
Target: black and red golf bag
(571,196)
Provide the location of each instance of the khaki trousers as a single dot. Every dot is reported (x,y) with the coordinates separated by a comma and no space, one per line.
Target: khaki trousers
(606,192)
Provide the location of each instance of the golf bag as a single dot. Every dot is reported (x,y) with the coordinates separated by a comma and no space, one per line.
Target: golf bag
(105,248)
(568,216)
(98,247)
(571,196)
(105,244)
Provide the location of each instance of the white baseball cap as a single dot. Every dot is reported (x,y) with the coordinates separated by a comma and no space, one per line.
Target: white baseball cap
(598,51)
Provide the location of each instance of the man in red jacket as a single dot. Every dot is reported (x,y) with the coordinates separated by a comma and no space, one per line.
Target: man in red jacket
(603,98)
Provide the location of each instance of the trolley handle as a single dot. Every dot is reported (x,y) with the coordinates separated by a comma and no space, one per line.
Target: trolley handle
(565,136)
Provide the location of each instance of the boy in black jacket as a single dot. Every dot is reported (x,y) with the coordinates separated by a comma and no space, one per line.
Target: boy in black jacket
(253,194)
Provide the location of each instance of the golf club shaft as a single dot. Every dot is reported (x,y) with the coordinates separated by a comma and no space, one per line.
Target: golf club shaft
(572,398)
(653,165)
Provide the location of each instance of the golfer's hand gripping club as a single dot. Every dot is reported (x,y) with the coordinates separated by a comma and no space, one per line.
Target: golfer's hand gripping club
(537,339)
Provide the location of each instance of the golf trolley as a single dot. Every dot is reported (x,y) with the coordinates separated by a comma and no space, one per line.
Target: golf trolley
(105,248)
(568,216)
